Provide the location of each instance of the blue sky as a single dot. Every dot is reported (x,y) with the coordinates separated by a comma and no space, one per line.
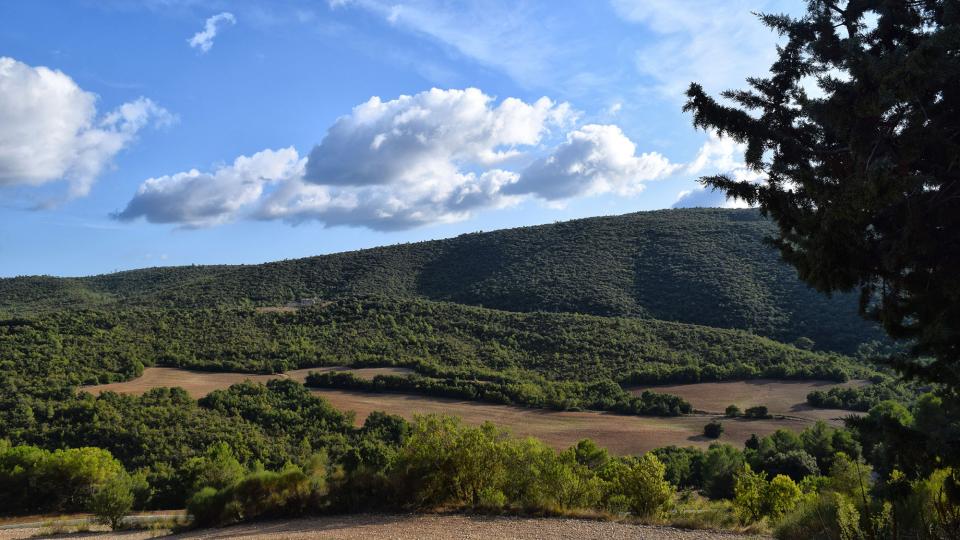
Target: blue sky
(172,132)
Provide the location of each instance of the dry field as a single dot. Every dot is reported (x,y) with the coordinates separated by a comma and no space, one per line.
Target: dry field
(621,434)
(410,526)
(201,383)
(782,397)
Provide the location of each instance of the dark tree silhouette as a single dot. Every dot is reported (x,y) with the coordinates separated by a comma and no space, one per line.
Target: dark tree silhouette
(863,180)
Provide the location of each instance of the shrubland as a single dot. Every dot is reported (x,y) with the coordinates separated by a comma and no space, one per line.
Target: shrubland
(536,359)
(707,267)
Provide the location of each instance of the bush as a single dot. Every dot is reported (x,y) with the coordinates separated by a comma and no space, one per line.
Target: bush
(259,495)
(732,411)
(713,430)
(648,494)
(34,480)
(684,466)
(720,467)
(749,495)
(828,516)
(782,496)
(113,500)
(755,498)
(758,412)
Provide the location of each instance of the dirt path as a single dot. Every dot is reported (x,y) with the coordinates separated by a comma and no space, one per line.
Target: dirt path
(395,527)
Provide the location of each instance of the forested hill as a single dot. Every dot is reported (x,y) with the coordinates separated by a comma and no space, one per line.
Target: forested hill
(701,266)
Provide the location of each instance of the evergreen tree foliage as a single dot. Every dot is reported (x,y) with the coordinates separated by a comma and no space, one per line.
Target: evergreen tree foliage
(862,181)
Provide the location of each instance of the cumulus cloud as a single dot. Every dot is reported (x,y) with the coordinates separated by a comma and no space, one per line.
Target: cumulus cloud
(430,157)
(384,207)
(203,39)
(49,128)
(594,159)
(200,199)
(718,155)
(434,157)
(426,137)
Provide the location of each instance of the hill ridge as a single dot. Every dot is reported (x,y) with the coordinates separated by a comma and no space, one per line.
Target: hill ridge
(700,266)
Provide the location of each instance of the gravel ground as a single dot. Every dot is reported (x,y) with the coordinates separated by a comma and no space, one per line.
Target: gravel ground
(391,527)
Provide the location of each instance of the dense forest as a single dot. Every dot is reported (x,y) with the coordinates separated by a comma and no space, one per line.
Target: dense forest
(701,266)
(560,361)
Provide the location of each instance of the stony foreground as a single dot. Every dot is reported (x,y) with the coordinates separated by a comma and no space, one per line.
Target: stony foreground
(378,526)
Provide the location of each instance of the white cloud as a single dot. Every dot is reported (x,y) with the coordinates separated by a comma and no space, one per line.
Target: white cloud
(427,137)
(719,155)
(416,159)
(595,159)
(49,129)
(203,39)
(388,207)
(434,157)
(200,199)
(717,43)
(704,197)
(430,157)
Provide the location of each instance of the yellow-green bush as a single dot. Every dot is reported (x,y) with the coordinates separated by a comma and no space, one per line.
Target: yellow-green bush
(827,516)
(755,498)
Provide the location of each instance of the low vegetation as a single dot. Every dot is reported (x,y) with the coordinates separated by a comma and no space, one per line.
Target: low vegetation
(816,483)
(601,395)
(884,388)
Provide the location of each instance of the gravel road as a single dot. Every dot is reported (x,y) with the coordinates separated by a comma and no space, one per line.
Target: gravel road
(395,527)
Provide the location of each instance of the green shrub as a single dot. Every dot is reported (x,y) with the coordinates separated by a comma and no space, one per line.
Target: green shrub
(713,429)
(113,500)
(684,466)
(217,468)
(750,489)
(643,484)
(782,496)
(758,412)
(732,411)
(259,495)
(755,498)
(828,516)
(720,466)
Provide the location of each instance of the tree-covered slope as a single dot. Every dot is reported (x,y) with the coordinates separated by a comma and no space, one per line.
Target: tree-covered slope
(699,266)
(68,348)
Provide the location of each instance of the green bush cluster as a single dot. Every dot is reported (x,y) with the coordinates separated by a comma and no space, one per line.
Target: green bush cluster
(558,396)
(34,480)
(439,463)
(864,398)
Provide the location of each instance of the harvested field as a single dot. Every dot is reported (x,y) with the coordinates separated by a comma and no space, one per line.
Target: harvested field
(201,383)
(781,397)
(619,433)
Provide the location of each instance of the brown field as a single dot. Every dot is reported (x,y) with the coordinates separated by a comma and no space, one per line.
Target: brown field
(781,397)
(621,434)
(201,383)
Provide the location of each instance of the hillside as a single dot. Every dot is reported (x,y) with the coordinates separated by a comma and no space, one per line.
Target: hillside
(538,359)
(700,266)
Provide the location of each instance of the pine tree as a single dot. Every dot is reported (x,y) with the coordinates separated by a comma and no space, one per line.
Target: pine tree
(863,175)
